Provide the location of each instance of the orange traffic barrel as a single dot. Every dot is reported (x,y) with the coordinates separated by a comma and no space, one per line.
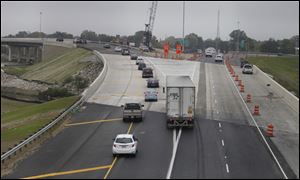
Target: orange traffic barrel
(236,78)
(240,82)
(270,130)
(242,88)
(248,98)
(256,110)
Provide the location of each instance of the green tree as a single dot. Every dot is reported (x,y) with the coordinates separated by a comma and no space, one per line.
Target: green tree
(89,35)
(270,46)
(235,36)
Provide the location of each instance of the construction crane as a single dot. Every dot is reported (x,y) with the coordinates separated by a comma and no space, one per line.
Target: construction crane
(149,26)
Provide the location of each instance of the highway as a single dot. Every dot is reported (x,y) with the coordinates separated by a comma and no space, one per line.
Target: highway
(223,144)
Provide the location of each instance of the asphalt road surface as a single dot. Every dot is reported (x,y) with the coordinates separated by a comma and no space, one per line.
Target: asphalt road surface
(223,143)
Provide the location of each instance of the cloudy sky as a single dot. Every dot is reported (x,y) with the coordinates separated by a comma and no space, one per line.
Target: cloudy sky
(260,20)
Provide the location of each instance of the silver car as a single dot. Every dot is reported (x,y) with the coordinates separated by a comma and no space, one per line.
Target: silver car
(247,69)
(151,95)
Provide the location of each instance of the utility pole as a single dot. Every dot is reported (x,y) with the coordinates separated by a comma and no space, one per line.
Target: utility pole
(183,26)
(41,24)
(218,32)
(238,37)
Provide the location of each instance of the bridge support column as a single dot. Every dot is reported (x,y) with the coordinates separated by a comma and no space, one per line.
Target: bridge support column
(9,53)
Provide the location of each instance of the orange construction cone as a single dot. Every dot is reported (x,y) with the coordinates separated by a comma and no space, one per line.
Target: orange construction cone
(242,88)
(248,98)
(240,83)
(236,78)
(270,130)
(256,110)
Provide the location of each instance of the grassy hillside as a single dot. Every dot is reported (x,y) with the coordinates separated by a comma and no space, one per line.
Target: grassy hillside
(54,70)
(8,105)
(284,69)
(19,124)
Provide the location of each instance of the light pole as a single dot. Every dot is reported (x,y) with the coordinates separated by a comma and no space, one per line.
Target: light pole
(238,37)
(183,26)
(41,24)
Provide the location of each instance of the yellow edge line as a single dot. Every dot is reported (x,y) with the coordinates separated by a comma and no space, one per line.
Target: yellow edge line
(68,172)
(107,173)
(112,165)
(92,122)
(129,129)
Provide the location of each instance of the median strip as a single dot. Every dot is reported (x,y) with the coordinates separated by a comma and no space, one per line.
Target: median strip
(92,122)
(68,172)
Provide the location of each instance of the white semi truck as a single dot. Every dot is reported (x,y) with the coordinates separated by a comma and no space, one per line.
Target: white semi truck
(180,105)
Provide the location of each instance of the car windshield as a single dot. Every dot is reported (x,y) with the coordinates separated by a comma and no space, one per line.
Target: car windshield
(147,70)
(248,66)
(123,140)
(132,106)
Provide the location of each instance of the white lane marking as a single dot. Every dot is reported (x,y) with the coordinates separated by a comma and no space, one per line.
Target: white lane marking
(222,142)
(174,137)
(218,112)
(213,87)
(225,157)
(220,125)
(264,139)
(216,101)
(227,168)
(173,155)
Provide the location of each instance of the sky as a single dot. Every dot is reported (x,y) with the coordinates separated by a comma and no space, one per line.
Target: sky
(260,20)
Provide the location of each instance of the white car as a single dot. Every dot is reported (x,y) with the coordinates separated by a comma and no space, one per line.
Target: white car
(118,49)
(139,60)
(125,144)
(247,69)
(219,58)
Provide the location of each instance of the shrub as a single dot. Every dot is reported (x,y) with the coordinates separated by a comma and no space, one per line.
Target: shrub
(53,93)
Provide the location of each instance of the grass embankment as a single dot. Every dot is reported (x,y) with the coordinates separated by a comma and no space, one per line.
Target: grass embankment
(284,69)
(53,69)
(18,124)
(8,105)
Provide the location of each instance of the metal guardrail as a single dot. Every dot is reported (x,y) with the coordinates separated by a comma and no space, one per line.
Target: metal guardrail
(85,95)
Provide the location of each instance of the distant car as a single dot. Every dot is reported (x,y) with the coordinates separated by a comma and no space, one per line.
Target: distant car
(107,46)
(152,83)
(132,112)
(147,72)
(247,69)
(125,51)
(243,62)
(118,49)
(219,58)
(79,41)
(142,65)
(139,60)
(125,144)
(133,56)
(151,95)
(144,48)
(60,39)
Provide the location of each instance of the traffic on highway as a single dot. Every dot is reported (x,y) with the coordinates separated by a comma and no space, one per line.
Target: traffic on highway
(146,106)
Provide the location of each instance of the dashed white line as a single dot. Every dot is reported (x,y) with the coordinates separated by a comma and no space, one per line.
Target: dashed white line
(227,168)
(218,112)
(220,125)
(216,101)
(222,142)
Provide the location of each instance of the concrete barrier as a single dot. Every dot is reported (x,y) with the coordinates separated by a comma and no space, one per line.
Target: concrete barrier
(277,89)
(98,81)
